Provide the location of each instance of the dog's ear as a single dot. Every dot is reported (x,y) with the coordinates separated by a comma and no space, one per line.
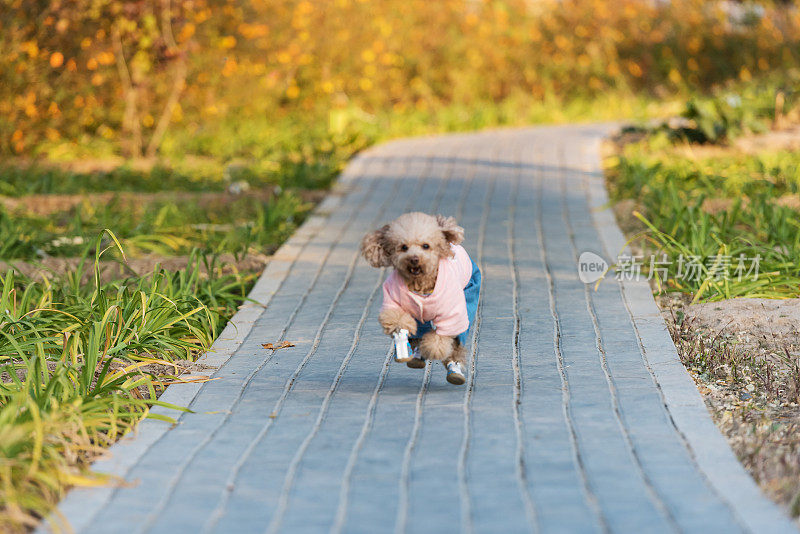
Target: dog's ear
(373,249)
(453,233)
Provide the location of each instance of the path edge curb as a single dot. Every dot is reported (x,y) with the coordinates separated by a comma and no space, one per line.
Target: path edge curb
(682,400)
(80,505)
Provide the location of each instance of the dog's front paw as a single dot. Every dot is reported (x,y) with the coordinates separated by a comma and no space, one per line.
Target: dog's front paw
(394,319)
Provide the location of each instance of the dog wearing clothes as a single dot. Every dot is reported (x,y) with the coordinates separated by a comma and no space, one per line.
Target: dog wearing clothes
(432,291)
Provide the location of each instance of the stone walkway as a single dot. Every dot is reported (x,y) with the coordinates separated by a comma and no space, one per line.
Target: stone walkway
(576,417)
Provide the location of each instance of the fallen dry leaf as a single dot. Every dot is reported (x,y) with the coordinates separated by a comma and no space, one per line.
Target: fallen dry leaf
(186,380)
(281,345)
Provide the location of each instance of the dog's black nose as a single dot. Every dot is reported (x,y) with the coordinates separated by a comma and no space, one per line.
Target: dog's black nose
(413,260)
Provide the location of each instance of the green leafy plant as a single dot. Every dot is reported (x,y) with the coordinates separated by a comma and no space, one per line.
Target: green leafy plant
(736,206)
(81,364)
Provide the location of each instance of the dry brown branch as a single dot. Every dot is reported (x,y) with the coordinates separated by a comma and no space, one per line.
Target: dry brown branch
(130,120)
(179,82)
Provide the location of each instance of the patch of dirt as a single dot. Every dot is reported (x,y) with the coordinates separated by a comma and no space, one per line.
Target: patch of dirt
(743,355)
(715,206)
(49,204)
(86,165)
(178,370)
(44,205)
(628,222)
(111,270)
(765,439)
(791,201)
(787,139)
(757,324)
(771,141)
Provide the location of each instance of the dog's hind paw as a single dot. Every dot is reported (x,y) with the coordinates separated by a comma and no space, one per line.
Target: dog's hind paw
(416,363)
(454,374)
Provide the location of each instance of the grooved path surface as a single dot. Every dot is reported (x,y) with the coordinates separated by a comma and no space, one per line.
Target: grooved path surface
(576,416)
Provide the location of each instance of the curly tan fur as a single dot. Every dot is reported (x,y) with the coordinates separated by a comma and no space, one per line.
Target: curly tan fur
(453,233)
(459,355)
(436,347)
(373,249)
(394,319)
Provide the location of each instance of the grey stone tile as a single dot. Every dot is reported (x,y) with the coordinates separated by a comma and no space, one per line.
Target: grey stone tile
(565,425)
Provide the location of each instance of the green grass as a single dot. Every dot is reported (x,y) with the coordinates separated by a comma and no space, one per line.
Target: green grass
(235,224)
(76,365)
(712,208)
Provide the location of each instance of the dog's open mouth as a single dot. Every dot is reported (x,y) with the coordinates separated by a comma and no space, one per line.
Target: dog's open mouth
(414,270)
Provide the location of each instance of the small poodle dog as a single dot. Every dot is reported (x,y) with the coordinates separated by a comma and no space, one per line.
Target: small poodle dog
(432,291)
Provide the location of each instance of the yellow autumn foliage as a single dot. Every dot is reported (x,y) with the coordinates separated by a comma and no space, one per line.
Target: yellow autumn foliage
(292,55)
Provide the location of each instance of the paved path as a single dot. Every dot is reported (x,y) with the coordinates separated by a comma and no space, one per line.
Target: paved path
(576,417)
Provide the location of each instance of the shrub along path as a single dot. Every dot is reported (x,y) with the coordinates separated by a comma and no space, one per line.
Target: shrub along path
(577,414)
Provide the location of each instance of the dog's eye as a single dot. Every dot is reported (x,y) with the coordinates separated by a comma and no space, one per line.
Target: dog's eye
(426,246)
(403,247)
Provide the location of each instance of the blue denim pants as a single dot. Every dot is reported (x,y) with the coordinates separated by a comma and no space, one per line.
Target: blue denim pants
(471,293)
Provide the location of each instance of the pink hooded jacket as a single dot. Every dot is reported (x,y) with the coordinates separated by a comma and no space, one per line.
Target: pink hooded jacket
(446,307)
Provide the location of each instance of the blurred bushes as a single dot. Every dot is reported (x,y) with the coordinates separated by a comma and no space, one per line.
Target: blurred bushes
(122,71)
(722,116)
